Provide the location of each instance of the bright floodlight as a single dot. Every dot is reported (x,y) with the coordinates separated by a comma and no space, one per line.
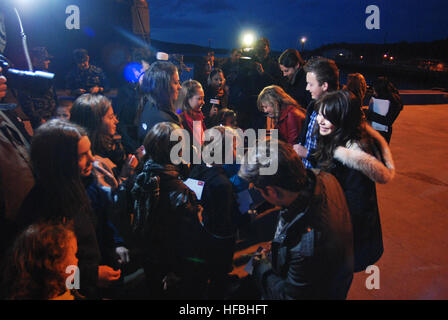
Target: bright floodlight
(248,39)
(303,40)
(23,2)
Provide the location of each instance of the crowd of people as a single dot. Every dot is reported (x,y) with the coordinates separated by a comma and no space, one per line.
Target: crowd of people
(96,187)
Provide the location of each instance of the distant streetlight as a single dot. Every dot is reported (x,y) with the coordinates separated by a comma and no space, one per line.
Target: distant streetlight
(303,40)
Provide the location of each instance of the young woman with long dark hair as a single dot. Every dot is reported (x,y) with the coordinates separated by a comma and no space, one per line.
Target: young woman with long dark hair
(63,163)
(358,157)
(160,89)
(96,115)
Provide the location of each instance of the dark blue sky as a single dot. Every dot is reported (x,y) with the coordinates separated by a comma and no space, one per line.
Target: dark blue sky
(285,21)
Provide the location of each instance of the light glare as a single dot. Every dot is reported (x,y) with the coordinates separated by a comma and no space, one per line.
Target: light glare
(248,39)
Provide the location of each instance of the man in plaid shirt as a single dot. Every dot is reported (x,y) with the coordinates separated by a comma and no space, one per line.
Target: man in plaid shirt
(322,75)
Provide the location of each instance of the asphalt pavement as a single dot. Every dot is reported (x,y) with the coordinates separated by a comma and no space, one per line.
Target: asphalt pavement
(413,209)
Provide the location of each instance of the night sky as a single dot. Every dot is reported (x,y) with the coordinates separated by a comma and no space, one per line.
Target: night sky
(285,21)
(222,22)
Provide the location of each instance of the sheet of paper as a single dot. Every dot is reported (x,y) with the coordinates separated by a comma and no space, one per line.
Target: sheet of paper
(196,186)
(381,106)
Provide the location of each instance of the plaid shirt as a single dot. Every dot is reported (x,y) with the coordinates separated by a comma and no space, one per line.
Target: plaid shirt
(311,140)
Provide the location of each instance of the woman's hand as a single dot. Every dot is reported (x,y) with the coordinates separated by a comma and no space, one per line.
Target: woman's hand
(263,254)
(129,166)
(300,150)
(106,275)
(140,152)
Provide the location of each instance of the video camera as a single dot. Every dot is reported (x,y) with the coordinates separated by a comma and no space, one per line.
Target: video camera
(34,81)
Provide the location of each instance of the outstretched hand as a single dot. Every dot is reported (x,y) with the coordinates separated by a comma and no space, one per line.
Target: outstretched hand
(106,275)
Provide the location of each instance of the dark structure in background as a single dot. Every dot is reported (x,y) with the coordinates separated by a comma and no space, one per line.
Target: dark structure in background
(105,31)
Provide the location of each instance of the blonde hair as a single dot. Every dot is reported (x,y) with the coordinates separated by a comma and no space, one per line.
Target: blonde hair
(277,98)
(189,89)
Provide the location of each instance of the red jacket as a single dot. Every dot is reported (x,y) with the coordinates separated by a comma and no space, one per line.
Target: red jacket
(289,124)
(187,123)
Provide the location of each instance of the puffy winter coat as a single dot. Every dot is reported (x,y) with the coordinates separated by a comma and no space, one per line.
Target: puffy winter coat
(358,166)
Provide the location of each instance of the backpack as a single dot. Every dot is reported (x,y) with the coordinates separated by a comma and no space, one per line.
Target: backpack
(146,193)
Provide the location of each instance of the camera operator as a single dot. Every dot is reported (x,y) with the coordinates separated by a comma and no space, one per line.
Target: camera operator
(85,77)
(265,63)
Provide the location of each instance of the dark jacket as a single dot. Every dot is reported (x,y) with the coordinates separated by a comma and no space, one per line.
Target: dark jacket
(388,119)
(290,124)
(220,216)
(152,115)
(271,69)
(220,219)
(86,79)
(357,167)
(38,106)
(297,88)
(211,94)
(16,175)
(312,251)
(172,233)
(107,234)
(126,107)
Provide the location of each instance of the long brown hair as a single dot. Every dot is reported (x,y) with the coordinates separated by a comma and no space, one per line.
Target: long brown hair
(156,88)
(342,109)
(54,156)
(88,111)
